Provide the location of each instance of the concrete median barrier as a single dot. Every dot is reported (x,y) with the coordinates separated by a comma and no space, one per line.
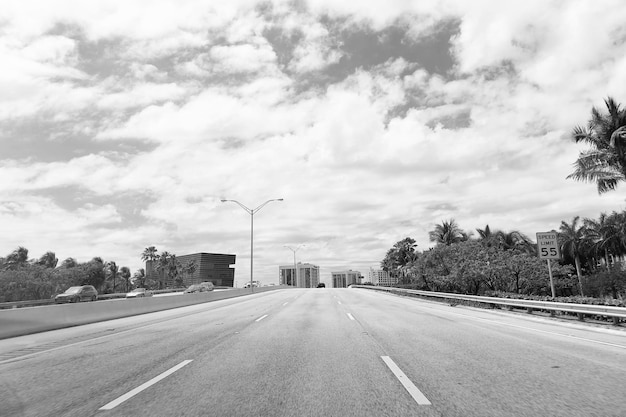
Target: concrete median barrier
(28,320)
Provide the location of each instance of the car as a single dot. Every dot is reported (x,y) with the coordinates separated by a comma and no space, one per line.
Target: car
(321,285)
(202,287)
(139,293)
(77,294)
(255,284)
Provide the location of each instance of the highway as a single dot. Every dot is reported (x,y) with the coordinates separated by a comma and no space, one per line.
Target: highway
(317,352)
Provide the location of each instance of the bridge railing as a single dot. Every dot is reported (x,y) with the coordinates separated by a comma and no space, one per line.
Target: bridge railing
(616,313)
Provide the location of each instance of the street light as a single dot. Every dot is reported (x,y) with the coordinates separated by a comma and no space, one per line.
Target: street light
(295,268)
(251,212)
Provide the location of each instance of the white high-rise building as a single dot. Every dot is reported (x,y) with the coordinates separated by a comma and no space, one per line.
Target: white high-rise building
(306,275)
(381,277)
(343,279)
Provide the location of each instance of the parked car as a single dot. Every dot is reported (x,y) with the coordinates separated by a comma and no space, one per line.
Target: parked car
(202,287)
(255,284)
(139,293)
(77,294)
(321,285)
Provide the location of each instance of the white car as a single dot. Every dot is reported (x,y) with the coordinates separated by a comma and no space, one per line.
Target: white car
(139,292)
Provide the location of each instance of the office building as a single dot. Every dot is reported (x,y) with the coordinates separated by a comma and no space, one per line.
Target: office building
(305,276)
(212,267)
(381,277)
(343,279)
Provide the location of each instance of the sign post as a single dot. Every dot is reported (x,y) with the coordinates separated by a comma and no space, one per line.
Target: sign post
(548,248)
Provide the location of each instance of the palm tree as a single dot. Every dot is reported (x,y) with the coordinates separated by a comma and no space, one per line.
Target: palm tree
(162,266)
(125,274)
(149,254)
(602,234)
(484,234)
(516,240)
(69,263)
(48,260)
(573,241)
(490,238)
(615,234)
(605,162)
(173,269)
(139,278)
(16,259)
(113,271)
(391,263)
(190,267)
(447,233)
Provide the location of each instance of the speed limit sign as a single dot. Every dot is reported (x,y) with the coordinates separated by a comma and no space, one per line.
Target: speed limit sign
(548,245)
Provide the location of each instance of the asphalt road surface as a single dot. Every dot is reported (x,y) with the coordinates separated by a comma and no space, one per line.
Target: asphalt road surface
(317,352)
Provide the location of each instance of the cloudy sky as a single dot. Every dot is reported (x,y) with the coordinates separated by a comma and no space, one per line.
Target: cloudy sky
(122,125)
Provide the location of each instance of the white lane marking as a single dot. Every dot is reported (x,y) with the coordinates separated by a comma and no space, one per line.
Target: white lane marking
(350,316)
(538,330)
(284,304)
(261,318)
(552,333)
(406,382)
(339,302)
(142,387)
(571,336)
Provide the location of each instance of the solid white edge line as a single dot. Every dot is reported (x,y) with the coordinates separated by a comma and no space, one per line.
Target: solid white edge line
(406,382)
(142,387)
(350,316)
(261,318)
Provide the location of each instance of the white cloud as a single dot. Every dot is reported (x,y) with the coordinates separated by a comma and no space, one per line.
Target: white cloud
(315,50)
(142,95)
(242,58)
(362,159)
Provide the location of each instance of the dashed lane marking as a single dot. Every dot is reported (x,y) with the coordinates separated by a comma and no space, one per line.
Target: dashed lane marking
(144,386)
(261,318)
(417,395)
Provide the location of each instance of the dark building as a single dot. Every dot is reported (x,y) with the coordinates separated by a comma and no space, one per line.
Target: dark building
(212,267)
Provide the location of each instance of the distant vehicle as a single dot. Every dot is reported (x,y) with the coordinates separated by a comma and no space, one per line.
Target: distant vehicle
(321,285)
(254,284)
(77,294)
(202,287)
(139,293)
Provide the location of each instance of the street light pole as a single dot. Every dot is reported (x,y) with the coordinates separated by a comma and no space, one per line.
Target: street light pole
(295,267)
(251,212)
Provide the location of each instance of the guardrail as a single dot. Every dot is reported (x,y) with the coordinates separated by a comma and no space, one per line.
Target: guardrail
(35,303)
(616,313)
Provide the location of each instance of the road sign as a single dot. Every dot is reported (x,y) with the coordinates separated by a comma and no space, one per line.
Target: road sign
(548,245)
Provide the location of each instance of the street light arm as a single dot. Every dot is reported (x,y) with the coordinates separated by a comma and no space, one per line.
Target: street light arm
(296,249)
(263,205)
(240,205)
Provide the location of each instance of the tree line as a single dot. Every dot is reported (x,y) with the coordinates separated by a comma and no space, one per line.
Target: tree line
(23,278)
(497,261)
